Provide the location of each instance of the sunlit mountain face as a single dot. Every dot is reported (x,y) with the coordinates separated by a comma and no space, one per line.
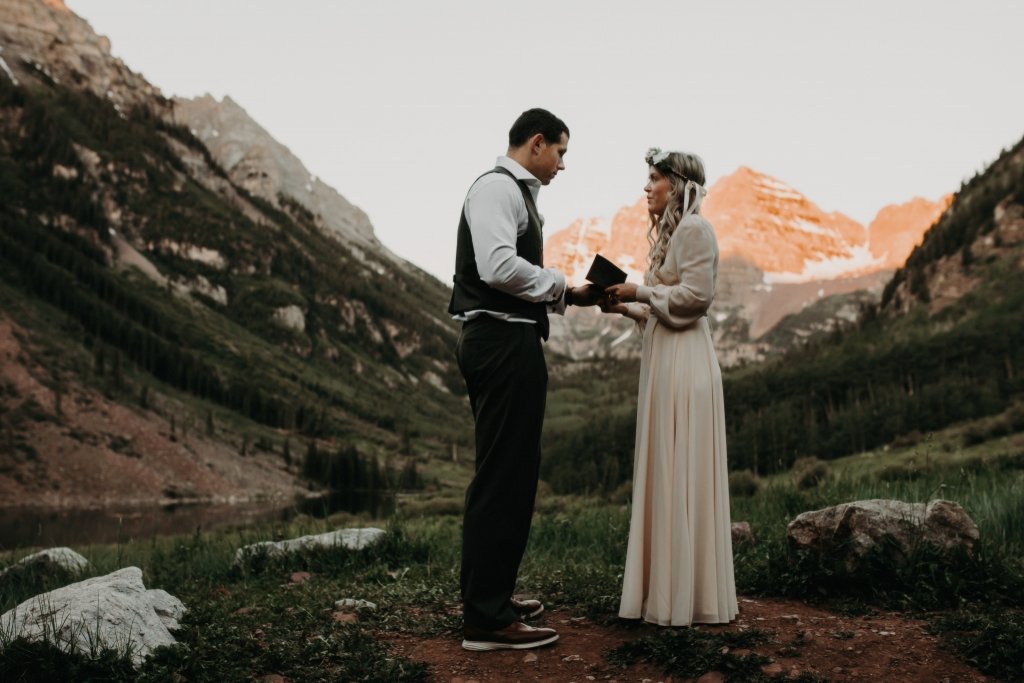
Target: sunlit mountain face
(764,222)
(780,254)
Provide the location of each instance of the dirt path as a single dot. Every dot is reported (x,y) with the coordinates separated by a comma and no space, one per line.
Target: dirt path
(880,647)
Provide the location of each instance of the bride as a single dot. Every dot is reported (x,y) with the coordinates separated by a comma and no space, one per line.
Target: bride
(679,565)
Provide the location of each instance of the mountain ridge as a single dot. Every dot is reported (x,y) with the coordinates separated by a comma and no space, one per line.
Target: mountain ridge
(265,167)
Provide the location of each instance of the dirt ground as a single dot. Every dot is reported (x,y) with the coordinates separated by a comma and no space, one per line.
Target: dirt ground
(881,647)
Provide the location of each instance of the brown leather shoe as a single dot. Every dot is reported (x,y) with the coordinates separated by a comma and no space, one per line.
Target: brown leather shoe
(515,636)
(526,609)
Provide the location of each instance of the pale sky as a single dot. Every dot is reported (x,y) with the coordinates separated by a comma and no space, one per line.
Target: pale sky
(399,105)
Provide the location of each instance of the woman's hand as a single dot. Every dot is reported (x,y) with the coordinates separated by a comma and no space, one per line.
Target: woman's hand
(621,293)
(607,307)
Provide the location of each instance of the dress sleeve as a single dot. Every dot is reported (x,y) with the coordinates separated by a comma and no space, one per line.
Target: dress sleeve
(637,311)
(693,249)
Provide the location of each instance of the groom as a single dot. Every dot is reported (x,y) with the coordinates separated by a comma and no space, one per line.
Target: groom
(503,294)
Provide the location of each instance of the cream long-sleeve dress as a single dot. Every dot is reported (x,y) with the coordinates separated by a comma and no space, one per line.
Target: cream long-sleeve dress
(679,565)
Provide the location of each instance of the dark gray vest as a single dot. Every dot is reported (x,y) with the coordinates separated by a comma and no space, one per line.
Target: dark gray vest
(470,293)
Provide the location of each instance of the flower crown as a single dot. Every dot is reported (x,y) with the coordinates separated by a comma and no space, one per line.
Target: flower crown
(656,156)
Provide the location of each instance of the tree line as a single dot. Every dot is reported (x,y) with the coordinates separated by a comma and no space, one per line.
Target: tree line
(347,468)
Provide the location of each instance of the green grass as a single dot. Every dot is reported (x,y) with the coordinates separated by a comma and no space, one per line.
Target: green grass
(249,616)
(252,615)
(992,641)
(574,562)
(987,480)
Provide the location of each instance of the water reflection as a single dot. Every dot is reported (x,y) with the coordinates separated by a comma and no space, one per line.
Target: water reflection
(21,527)
(377,503)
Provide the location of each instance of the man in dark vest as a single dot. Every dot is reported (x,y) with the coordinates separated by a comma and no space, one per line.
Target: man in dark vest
(503,295)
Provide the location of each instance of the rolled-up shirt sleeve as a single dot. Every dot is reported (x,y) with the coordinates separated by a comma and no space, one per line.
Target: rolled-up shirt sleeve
(493,209)
(693,249)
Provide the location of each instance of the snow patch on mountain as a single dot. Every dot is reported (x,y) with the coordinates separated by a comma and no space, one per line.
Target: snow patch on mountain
(860,261)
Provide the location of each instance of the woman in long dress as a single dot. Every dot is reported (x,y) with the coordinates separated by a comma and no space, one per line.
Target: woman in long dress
(679,565)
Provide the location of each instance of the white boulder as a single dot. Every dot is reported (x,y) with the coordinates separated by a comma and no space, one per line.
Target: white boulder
(354,603)
(352,539)
(115,611)
(48,560)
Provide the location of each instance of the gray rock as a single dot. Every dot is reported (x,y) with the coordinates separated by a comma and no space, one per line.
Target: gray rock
(115,611)
(63,46)
(851,531)
(354,603)
(352,539)
(291,317)
(742,534)
(46,561)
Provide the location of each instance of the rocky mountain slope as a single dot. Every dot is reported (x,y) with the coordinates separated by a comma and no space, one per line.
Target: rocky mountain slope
(974,249)
(784,262)
(254,160)
(214,281)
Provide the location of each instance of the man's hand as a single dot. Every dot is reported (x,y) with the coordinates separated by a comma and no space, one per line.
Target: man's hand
(587,295)
(621,293)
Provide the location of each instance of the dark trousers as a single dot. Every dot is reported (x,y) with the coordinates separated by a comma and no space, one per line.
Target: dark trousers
(506,376)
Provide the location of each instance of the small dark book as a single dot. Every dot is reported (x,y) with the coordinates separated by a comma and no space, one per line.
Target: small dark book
(604,273)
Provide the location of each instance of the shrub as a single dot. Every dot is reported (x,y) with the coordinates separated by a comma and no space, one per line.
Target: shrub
(623,494)
(1010,461)
(743,483)
(911,438)
(809,472)
(1015,417)
(1008,422)
(432,506)
(993,642)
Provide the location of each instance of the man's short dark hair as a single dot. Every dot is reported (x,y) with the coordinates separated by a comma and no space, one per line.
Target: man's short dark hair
(533,121)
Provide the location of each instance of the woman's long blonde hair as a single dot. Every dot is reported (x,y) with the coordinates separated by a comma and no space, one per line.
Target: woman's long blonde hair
(685,171)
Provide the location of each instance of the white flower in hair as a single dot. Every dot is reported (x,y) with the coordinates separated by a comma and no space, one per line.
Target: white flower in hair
(655,156)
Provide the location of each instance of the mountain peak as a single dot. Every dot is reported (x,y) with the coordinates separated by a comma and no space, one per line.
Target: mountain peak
(47,42)
(893,233)
(744,175)
(747,172)
(767,223)
(772,225)
(267,168)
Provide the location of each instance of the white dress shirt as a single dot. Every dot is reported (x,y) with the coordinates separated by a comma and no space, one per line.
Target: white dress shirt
(497,217)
